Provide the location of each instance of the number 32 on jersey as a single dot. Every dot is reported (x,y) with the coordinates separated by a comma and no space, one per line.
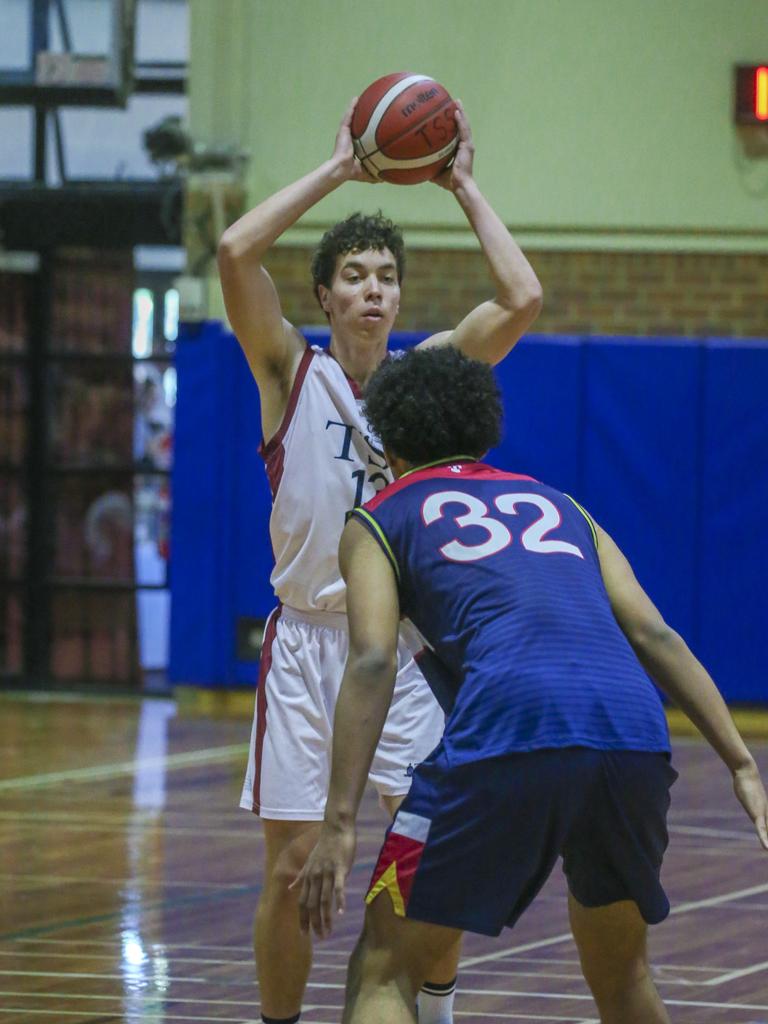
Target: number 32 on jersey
(533,537)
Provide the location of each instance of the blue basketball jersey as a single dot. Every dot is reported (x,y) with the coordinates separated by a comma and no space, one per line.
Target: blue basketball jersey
(500,574)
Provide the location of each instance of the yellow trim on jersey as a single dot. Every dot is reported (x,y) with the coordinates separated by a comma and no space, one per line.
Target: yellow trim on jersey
(440,462)
(381,536)
(586,515)
(388,881)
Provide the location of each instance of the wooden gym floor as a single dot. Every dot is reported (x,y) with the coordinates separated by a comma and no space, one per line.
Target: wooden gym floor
(128,878)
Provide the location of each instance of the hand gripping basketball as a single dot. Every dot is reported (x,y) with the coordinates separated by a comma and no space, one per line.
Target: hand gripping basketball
(344,153)
(459,171)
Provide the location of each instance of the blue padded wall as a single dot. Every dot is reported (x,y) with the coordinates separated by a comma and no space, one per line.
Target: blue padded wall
(220,551)
(640,450)
(665,442)
(731,586)
(544,412)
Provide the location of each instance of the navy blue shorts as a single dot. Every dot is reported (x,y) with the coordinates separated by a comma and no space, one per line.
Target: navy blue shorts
(471,846)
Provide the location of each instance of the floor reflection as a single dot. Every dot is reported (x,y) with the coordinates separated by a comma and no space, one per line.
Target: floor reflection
(144,963)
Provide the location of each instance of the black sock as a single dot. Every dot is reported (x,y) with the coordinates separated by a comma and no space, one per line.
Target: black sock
(435,988)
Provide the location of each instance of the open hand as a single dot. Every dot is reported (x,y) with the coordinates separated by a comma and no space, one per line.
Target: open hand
(460,170)
(344,154)
(750,791)
(323,877)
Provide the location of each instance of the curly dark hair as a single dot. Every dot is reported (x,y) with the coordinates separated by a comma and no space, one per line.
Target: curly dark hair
(356,234)
(432,403)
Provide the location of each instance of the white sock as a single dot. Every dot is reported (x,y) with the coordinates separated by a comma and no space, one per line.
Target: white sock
(435,1003)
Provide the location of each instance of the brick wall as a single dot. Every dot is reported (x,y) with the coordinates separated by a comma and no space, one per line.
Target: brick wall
(686,294)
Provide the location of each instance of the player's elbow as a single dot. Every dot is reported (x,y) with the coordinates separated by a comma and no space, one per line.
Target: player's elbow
(373,662)
(518,310)
(533,299)
(235,246)
(650,635)
(227,249)
(525,301)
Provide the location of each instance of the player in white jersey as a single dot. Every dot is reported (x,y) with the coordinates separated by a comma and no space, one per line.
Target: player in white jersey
(322,461)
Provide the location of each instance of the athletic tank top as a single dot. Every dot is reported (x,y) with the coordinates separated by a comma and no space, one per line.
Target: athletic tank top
(501,576)
(321,463)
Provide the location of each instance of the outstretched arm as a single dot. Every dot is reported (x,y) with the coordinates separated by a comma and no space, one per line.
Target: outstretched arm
(271,345)
(490,330)
(361,709)
(666,657)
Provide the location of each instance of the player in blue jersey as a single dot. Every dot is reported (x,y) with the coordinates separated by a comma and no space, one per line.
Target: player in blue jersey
(539,643)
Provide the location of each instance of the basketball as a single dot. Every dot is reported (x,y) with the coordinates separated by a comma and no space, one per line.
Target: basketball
(404,128)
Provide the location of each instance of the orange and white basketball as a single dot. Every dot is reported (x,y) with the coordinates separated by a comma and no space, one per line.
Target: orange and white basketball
(404,128)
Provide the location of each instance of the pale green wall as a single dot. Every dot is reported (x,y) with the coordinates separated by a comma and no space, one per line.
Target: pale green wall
(597,122)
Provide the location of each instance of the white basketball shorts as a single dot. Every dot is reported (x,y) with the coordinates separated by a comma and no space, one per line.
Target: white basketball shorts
(289,763)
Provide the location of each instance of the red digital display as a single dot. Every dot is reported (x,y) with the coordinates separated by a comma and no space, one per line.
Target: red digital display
(761,94)
(751,105)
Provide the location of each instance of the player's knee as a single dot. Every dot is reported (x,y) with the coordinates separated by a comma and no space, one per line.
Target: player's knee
(285,869)
(612,978)
(282,876)
(287,852)
(377,954)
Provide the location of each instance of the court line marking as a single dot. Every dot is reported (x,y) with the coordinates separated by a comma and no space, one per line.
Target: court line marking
(321,967)
(251,1002)
(552,976)
(171,948)
(139,828)
(682,908)
(485,1013)
(160,1016)
(524,948)
(579,996)
(208,755)
(659,978)
(724,852)
(148,908)
(714,901)
(103,977)
(150,955)
(148,962)
(149,997)
(114,882)
(154,906)
(138,820)
(123,997)
(164,1016)
(462,991)
(523,1016)
(733,975)
(713,833)
(679,815)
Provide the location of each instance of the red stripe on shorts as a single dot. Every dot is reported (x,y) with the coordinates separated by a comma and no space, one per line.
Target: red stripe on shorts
(265,665)
(402,854)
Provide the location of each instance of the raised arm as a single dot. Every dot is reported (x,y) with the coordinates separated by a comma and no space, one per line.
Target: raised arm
(667,659)
(271,345)
(364,698)
(490,330)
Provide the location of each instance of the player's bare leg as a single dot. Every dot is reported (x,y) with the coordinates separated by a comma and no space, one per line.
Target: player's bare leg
(283,952)
(390,963)
(435,1002)
(612,948)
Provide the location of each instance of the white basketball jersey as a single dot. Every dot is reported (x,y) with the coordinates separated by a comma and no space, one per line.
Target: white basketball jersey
(322,462)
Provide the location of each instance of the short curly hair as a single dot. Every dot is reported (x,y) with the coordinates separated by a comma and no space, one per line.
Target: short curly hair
(356,234)
(432,403)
